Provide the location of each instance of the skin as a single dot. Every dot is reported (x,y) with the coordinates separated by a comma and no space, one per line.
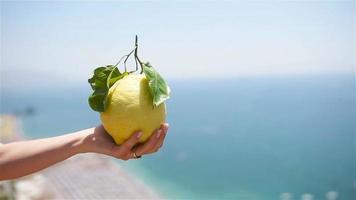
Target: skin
(18,159)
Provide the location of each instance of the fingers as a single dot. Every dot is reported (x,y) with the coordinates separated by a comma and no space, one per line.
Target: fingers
(154,143)
(124,150)
(161,139)
(128,144)
(144,148)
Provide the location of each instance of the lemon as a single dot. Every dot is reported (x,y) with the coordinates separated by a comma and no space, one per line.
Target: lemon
(130,109)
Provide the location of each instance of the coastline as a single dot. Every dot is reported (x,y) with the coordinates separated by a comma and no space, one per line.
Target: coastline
(84,176)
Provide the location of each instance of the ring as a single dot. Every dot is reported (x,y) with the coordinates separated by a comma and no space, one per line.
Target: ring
(134,155)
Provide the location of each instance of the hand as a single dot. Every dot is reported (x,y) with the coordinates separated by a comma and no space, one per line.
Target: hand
(99,141)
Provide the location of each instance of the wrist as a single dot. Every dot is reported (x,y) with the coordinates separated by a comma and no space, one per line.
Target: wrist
(81,141)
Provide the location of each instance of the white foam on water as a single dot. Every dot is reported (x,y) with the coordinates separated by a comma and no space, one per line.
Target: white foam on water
(331,195)
(286,196)
(307,197)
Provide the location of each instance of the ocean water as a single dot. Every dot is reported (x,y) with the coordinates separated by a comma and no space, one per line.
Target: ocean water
(249,138)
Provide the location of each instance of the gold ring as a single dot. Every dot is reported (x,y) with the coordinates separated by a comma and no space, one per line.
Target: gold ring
(135,155)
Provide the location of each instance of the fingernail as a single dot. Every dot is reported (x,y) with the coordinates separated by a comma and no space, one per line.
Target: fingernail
(138,135)
(159,133)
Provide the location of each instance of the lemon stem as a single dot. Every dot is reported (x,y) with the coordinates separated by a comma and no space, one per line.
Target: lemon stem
(136,57)
(126,57)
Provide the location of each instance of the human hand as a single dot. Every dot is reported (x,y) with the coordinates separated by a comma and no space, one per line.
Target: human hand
(99,141)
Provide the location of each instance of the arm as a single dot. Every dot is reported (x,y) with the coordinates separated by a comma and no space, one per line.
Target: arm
(22,158)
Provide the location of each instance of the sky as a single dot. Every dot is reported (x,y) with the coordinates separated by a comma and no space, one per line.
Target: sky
(62,42)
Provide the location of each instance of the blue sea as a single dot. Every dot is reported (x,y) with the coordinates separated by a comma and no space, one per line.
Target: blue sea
(257,138)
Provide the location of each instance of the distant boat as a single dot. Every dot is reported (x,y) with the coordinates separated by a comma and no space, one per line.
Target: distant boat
(29,111)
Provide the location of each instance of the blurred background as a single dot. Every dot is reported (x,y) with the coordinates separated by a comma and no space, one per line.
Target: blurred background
(263,92)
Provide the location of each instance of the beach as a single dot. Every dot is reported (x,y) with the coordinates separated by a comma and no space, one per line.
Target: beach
(85,176)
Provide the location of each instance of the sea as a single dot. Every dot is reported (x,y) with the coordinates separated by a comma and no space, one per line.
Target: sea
(250,138)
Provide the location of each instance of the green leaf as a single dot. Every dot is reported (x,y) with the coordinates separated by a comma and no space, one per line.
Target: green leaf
(102,80)
(157,85)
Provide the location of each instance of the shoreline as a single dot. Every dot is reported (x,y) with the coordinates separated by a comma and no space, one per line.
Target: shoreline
(84,176)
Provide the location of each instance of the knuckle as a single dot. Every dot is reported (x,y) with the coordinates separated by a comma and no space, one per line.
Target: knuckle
(125,149)
(120,154)
(125,157)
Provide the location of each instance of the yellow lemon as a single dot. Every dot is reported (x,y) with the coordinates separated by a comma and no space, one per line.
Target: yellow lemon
(130,109)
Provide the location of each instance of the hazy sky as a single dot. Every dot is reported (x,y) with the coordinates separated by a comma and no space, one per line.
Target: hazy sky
(65,41)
